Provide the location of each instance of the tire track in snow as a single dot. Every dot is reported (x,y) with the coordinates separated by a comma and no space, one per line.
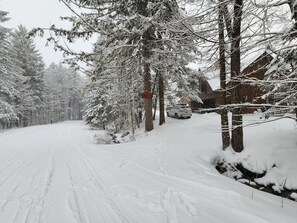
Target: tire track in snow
(103,194)
(12,173)
(25,201)
(11,197)
(169,207)
(74,202)
(12,160)
(37,208)
(99,186)
(19,191)
(30,168)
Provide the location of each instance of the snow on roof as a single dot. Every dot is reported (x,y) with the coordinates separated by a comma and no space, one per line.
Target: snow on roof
(252,55)
(250,58)
(214,83)
(213,78)
(194,66)
(211,73)
(197,65)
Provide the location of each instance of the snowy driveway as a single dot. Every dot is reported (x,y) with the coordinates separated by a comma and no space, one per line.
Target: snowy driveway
(56,174)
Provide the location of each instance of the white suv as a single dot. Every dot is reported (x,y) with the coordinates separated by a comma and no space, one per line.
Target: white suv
(179,111)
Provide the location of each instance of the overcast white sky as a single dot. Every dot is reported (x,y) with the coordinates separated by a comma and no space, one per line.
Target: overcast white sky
(36,13)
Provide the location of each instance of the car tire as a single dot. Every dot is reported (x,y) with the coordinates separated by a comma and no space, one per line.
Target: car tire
(176,115)
(168,114)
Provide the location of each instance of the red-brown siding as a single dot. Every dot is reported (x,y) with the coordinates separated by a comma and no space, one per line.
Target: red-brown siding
(250,92)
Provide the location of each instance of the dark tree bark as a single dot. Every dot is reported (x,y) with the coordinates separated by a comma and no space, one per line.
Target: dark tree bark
(237,131)
(141,6)
(224,112)
(155,103)
(227,18)
(161,100)
(293,7)
(148,105)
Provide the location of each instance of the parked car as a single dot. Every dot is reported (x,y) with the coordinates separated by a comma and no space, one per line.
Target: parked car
(179,111)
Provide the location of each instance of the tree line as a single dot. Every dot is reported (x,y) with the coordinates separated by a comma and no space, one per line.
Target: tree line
(139,60)
(30,93)
(143,49)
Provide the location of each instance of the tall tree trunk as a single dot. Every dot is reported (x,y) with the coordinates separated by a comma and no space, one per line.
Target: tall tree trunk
(224,112)
(155,103)
(237,131)
(148,105)
(161,100)
(293,7)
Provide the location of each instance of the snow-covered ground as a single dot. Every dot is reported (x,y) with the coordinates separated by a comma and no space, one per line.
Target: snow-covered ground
(57,174)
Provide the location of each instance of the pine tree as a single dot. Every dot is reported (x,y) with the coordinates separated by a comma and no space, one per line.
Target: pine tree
(99,110)
(63,99)
(134,36)
(281,78)
(30,61)
(116,88)
(9,78)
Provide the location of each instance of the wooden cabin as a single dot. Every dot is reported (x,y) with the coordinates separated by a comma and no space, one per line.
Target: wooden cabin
(254,67)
